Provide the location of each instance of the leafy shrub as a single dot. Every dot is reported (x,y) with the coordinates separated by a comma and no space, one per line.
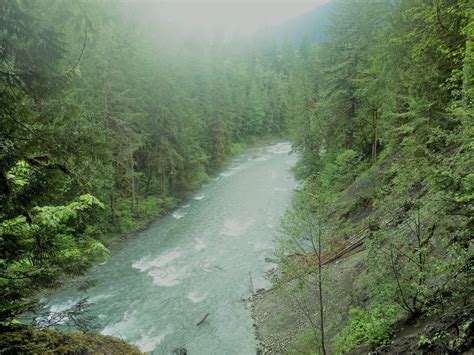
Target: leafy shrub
(372,326)
(36,252)
(236,148)
(150,206)
(340,170)
(305,343)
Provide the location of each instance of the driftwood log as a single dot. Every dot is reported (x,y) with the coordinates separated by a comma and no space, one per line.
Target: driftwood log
(203,319)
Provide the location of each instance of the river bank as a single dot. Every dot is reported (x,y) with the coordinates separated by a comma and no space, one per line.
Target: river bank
(283,317)
(114,240)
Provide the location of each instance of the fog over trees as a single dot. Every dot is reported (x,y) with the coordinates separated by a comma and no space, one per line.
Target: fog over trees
(111,114)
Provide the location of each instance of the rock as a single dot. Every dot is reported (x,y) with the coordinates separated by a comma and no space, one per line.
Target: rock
(180,351)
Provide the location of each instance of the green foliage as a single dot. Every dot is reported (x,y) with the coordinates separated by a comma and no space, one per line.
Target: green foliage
(304,344)
(152,206)
(372,326)
(55,216)
(236,148)
(88,107)
(424,342)
(389,96)
(23,339)
(19,175)
(458,341)
(391,88)
(40,248)
(339,171)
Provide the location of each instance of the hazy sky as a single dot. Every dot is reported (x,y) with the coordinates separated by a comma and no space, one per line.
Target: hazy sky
(229,16)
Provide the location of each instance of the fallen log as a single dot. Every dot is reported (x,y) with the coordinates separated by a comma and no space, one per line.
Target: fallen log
(202,320)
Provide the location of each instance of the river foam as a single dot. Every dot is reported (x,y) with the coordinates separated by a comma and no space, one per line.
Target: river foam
(234,228)
(167,277)
(57,308)
(199,244)
(122,327)
(227,173)
(178,214)
(100,297)
(195,297)
(148,343)
(146,263)
(280,148)
(61,307)
(207,267)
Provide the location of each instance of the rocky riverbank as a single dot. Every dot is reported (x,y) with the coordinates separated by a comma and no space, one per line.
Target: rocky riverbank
(282,316)
(277,325)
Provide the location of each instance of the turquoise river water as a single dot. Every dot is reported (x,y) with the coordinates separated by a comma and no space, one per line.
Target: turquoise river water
(203,258)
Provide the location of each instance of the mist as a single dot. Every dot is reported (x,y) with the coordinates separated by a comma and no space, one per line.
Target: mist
(225,19)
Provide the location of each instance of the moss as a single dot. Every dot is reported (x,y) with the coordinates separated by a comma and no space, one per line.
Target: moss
(22,339)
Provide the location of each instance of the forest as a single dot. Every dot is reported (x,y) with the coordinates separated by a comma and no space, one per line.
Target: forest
(106,125)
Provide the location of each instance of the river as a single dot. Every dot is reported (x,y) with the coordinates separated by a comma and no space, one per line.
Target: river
(203,258)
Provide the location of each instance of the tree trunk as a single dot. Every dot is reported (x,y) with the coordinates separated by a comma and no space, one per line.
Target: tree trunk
(148,181)
(113,216)
(132,185)
(162,183)
(320,289)
(375,134)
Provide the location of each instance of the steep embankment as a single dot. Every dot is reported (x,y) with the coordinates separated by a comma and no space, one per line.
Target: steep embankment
(281,317)
(286,316)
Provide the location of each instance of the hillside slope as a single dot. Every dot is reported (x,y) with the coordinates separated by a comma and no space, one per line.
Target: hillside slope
(286,316)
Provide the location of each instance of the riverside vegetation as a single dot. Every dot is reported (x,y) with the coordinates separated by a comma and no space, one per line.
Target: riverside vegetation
(384,126)
(105,124)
